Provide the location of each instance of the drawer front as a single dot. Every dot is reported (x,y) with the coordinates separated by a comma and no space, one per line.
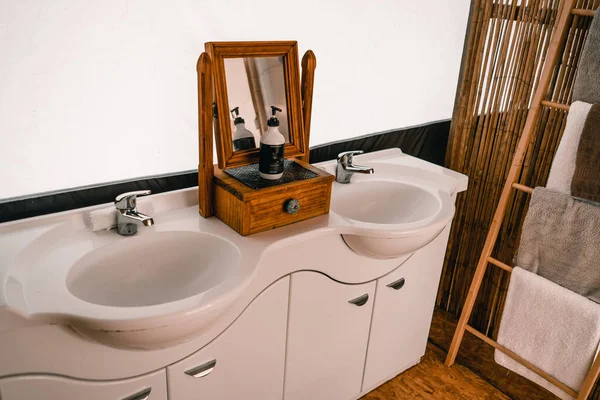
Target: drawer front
(269,212)
(328,331)
(244,362)
(148,387)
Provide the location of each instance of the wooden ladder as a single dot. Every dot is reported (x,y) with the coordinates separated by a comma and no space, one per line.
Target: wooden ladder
(558,37)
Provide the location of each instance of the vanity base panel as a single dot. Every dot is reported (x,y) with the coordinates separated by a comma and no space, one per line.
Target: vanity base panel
(26,349)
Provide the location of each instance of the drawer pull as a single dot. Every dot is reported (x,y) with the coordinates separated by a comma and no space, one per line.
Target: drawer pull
(360,300)
(397,285)
(202,370)
(141,395)
(291,206)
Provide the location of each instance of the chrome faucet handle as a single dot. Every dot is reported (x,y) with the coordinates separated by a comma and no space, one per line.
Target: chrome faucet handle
(128,201)
(346,156)
(345,168)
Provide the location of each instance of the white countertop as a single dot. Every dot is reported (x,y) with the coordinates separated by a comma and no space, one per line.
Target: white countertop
(36,253)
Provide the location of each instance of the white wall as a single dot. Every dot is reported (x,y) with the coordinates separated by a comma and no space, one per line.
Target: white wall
(96,91)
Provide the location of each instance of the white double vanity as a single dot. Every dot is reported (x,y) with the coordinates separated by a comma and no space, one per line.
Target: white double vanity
(328,308)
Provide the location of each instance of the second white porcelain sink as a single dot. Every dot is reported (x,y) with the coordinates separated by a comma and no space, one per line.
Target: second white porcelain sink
(152,269)
(386,203)
(390,216)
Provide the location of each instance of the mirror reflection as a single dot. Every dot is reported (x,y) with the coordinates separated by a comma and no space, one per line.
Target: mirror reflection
(254,86)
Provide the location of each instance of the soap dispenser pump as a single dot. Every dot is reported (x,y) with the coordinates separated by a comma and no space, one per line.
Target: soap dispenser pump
(243,139)
(272,144)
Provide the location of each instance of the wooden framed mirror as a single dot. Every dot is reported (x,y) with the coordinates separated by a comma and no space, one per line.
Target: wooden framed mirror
(249,78)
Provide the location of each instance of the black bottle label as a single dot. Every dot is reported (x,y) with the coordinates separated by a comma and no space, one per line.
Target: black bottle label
(244,144)
(271,159)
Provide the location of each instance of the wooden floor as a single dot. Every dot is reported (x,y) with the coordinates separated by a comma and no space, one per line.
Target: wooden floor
(475,375)
(431,379)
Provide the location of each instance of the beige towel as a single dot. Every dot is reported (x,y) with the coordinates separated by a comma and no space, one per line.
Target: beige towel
(553,328)
(586,178)
(561,241)
(563,165)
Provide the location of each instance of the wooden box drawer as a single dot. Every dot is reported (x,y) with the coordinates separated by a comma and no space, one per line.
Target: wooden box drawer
(249,211)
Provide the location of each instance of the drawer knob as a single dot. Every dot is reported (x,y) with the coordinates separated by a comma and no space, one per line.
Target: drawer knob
(291,206)
(141,395)
(397,285)
(360,300)
(202,370)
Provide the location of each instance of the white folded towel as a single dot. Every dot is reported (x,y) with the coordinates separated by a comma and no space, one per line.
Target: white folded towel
(563,165)
(553,328)
(106,218)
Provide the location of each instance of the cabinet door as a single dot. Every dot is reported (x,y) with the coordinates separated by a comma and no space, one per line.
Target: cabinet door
(148,387)
(244,362)
(327,337)
(402,314)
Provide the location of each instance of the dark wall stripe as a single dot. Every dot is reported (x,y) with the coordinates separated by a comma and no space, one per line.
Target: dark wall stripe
(90,196)
(425,141)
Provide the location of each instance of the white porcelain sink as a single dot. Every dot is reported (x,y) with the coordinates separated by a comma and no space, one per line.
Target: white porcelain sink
(152,269)
(390,216)
(152,290)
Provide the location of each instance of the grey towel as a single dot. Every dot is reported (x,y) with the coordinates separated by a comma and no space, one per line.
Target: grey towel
(586,178)
(587,82)
(561,241)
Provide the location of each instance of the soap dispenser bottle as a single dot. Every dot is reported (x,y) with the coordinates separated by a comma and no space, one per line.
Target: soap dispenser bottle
(272,144)
(243,139)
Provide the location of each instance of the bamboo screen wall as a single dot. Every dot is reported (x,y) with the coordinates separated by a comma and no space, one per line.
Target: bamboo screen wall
(505,47)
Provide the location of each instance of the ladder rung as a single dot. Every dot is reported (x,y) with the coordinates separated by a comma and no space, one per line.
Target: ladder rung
(522,188)
(583,12)
(499,263)
(555,105)
(522,361)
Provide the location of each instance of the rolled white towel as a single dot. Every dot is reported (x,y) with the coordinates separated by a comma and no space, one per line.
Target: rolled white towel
(104,218)
(563,165)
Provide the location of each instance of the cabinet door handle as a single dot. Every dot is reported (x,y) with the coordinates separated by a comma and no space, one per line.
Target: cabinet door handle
(141,395)
(360,300)
(397,285)
(202,370)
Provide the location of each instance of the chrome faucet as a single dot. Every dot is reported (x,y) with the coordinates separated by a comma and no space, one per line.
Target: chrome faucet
(345,169)
(128,217)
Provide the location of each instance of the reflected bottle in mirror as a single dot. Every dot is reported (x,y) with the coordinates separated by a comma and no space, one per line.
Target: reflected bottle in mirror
(243,139)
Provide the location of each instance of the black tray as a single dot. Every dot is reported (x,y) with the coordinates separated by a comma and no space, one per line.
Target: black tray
(249,176)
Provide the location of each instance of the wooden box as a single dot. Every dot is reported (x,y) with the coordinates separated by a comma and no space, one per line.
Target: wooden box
(249,211)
